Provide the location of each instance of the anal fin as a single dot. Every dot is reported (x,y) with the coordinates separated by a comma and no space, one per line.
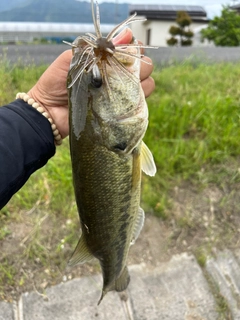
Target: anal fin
(81,253)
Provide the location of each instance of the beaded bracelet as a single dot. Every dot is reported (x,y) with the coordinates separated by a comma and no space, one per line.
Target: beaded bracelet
(37,106)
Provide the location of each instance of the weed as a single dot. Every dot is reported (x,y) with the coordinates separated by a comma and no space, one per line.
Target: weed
(4,232)
(201,256)
(222,306)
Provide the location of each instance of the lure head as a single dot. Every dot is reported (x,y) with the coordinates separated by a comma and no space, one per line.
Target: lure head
(104,48)
(94,49)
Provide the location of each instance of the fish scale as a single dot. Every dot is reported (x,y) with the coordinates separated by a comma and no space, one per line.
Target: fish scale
(106,200)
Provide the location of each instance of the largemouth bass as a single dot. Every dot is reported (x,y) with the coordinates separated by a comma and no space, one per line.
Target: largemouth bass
(108,117)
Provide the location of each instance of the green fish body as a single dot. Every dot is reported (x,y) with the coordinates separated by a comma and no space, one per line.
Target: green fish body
(108,117)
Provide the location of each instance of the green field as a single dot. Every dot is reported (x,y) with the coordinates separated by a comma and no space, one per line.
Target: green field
(194,135)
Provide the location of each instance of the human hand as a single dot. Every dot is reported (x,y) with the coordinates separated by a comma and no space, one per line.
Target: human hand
(147,82)
(51,92)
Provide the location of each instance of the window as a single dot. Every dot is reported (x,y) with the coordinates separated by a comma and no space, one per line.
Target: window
(148,37)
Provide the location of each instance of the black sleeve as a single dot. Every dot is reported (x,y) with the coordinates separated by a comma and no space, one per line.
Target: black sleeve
(26,144)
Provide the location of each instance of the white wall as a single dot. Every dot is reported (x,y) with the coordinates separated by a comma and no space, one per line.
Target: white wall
(139,30)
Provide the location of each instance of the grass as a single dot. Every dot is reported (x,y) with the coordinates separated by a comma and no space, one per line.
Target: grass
(193,134)
(194,117)
(194,121)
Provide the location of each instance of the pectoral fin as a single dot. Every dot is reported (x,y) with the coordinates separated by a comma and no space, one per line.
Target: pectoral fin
(138,225)
(81,254)
(148,164)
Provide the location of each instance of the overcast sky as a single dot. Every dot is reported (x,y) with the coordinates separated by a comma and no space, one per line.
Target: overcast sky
(212,7)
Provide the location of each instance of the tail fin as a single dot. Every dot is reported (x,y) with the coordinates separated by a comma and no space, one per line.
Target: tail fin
(120,284)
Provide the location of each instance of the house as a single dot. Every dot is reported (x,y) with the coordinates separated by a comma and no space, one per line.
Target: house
(236,7)
(155,30)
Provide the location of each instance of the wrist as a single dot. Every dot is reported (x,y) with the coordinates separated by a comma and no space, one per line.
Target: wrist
(56,106)
(27,98)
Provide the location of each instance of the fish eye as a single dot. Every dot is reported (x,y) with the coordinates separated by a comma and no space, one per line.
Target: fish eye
(96,82)
(96,79)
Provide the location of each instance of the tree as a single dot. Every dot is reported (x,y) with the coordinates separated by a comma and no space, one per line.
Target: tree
(181,34)
(224,30)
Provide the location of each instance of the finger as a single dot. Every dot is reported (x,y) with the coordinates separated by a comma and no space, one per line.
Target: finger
(146,68)
(148,85)
(141,49)
(124,37)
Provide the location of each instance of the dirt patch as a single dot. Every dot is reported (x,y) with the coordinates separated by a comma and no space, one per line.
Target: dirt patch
(34,252)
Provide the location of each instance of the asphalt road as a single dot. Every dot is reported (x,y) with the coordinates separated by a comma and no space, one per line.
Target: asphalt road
(32,54)
(165,55)
(45,54)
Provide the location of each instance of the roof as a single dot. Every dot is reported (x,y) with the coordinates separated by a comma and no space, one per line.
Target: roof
(235,6)
(168,12)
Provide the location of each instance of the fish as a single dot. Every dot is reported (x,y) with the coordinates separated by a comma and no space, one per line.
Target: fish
(108,118)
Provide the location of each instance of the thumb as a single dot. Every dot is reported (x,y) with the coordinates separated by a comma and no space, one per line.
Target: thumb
(124,37)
